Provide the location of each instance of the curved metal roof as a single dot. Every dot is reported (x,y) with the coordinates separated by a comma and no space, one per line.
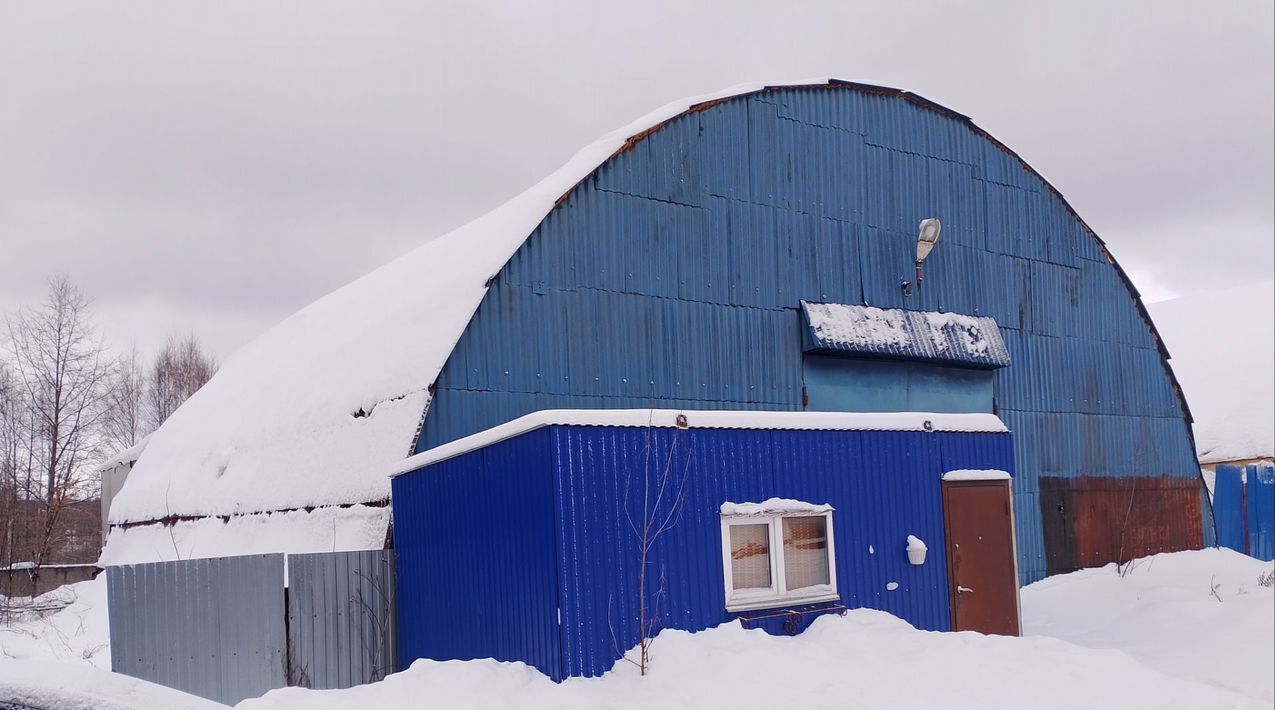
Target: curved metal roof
(315,410)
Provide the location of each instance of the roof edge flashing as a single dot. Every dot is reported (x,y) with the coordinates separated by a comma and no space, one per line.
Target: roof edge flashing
(706,419)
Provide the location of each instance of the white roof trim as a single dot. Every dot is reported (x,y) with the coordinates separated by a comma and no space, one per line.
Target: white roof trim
(706,419)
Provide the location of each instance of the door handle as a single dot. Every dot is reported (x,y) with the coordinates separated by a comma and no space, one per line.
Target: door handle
(963,590)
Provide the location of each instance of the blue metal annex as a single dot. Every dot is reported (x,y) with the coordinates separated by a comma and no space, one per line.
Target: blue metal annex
(523,544)
(674,275)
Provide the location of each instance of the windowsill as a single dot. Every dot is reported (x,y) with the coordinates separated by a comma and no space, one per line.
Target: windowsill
(774,602)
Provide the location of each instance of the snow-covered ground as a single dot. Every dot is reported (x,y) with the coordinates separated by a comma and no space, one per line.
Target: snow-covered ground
(866,660)
(1199,616)
(1157,637)
(56,686)
(79,631)
(1185,630)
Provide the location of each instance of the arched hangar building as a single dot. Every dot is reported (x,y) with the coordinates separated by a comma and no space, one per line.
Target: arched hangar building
(750,250)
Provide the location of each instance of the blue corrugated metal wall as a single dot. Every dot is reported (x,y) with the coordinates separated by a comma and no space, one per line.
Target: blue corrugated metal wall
(486,578)
(884,485)
(463,595)
(477,558)
(840,384)
(673,277)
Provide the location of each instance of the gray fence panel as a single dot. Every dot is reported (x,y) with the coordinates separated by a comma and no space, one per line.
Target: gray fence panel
(341,618)
(211,627)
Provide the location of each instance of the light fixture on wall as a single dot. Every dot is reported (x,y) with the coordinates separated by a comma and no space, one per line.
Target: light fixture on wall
(925,241)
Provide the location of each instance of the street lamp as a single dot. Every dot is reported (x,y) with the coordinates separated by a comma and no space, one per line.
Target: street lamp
(925,241)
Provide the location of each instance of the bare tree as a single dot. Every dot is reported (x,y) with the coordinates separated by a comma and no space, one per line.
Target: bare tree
(15,464)
(59,367)
(180,368)
(124,419)
(659,504)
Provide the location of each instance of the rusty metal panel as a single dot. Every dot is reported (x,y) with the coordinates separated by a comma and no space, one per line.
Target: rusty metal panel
(341,625)
(1090,521)
(211,627)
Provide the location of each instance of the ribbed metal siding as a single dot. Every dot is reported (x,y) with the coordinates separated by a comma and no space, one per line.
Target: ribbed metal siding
(1260,511)
(341,618)
(884,485)
(673,277)
(211,627)
(1228,505)
(477,570)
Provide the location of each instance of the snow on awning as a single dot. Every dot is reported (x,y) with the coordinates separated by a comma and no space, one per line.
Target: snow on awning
(970,341)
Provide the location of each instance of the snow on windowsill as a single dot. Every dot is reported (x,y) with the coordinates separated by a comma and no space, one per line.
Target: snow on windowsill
(813,595)
(774,506)
(977,475)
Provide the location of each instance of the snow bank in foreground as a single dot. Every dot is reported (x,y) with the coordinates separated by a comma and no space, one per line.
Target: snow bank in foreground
(53,685)
(866,660)
(1163,613)
(79,631)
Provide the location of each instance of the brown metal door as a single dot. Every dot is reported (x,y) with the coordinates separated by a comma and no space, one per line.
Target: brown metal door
(982,574)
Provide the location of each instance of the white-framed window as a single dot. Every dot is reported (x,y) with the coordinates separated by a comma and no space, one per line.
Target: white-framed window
(779,557)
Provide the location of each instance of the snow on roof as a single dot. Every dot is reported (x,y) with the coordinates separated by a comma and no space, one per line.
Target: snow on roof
(315,410)
(1222,347)
(129,455)
(706,419)
(330,529)
(926,335)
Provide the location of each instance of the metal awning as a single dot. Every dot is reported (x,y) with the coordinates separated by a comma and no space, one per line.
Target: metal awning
(867,331)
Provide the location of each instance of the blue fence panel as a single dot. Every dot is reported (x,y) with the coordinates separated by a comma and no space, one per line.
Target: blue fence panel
(1260,507)
(1228,507)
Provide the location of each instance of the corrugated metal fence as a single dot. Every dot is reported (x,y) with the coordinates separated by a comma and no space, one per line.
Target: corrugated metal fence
(1244,510)
(228,628)
(214,627)
(340,618)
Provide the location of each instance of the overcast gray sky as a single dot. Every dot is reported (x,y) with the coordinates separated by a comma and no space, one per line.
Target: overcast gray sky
(216,166)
